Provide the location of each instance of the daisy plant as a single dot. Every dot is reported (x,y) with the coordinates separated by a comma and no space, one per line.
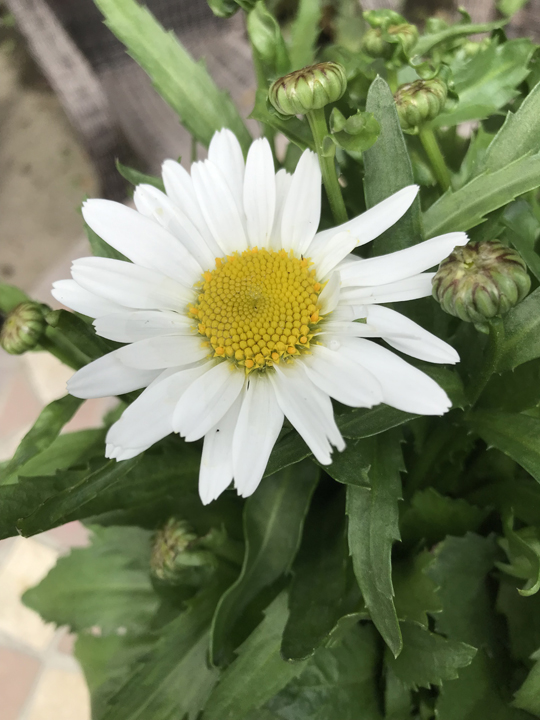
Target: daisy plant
(317,493)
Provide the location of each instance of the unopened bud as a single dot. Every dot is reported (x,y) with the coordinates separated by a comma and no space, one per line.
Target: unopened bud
(179,556)
(311,88)
(420,101)
(480,281)
(23,328)
(390,36)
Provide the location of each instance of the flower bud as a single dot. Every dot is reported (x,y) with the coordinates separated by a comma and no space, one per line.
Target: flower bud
(420,101)
(23,328)
(311,88)
(179,556)
(386,43)
(480,281)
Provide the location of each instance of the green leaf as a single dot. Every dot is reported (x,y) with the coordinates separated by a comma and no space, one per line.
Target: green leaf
(273,523)
(427,42)
(388,169)
(339,682)
(516,391)
(183,83)
(514,434)
(488,81)
(258,673)
(289,450)
(317,596)
(415,592)
(358,133)
(305,30)
(269,51)
(10,297)
(528,696)
(100,248)
(351,467)
(510,7)
(297,131)
(106,585)
(467,207)
(365,423)
(517,137)
(427,658)
(520,494)
(373,527)
(80,334)
(43,433)
(174,680)
(430,517)
(522,231)
(136,177)
(523,619)
(523,550)
(397,698)
(522,333)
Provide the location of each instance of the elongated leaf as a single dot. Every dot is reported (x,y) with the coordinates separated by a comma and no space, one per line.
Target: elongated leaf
(273,522)
(522,231)
(304,32)
(136,177)
(289,450)
(427,42)
(528,696)
(388,169)
(174,680)
(514,434)
(351,467)
(522,334)
(373,527)
(415,592)
(317,594)
(10,297)
(258,673)
(43,433)
(467,207)
(364,423)
(106,585)
(183,83)
(427,658)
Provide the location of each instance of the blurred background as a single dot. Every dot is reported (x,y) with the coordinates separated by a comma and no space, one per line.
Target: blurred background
(71,103)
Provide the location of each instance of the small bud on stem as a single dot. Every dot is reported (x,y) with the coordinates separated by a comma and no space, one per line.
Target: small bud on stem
(23,328)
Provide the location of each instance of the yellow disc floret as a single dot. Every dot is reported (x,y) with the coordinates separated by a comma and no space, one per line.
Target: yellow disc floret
(258,307)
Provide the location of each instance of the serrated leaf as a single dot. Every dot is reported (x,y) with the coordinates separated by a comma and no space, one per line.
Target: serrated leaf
(488,81)
(339,682)
(183,83)
(388,169)
(415,592)
(467,207)
(514,434)
(427,42)
(528,696)
(317,595)
(397,698)
(373,527)
(10,297)
(259,671)
(427,658)
(514,392)
(273,523)
(43,433)
(106,585)
(136,177)
(522,334)
(522,231)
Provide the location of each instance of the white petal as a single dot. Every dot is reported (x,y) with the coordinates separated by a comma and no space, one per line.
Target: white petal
(404,386)
(341,378)
(334,251)
(163,352)
(283,186)
(73,296)
(370,224)
(108,376)
(179,187)
(351,329)
(302,210)
(149,200)
(257,430)
(260,193)
(218,207)
(207,400)
(216,472)
(149,418)
(127,327)
(329,298)
(418,343)
(130,285)
(226,154)
(403,263)
(141,240)
(308,409)
(412,288)
(118,453)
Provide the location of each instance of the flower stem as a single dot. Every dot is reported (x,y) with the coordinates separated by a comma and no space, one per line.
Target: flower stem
(433,151)
(489,366)
(319,129)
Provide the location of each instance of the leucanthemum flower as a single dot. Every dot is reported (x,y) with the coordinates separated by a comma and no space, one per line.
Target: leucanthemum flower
(237,314)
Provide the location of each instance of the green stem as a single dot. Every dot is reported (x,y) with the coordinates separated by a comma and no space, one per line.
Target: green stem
(262,84)
(489,366)
(392,79)
(319,129)
(433,151)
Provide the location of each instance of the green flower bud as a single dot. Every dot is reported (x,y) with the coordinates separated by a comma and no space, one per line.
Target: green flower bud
(311,88)
(23,328)
(383,18)
(480,281)
(179,556)
(420,101)
(396,40)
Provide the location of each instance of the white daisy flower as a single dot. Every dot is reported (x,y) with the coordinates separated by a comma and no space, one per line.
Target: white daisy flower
(237,314)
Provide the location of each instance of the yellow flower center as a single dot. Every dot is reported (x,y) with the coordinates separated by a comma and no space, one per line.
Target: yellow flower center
(258,307)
